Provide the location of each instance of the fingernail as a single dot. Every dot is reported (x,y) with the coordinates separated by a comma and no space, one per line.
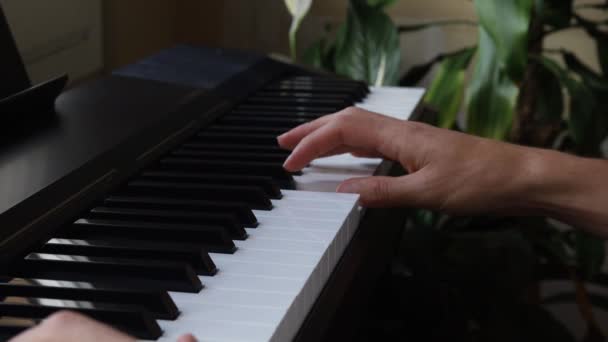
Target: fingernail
(286,163)
(349,188)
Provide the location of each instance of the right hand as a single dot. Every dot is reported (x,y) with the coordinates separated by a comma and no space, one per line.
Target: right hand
(448,171)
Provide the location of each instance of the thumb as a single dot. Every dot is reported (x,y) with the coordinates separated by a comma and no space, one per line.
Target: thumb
(382,191)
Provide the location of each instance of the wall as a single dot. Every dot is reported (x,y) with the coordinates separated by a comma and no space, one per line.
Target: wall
(137,28)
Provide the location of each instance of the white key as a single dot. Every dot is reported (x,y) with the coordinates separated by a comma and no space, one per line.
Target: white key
(268,288)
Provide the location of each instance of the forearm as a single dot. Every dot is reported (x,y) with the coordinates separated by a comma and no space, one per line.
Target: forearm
(569,188)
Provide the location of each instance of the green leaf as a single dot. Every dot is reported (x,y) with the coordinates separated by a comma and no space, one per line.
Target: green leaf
(588,120)
(590,253)
(587,123)
(507,24)
(601,40)
(596,82)
(550,100)
(380,3)
(602,52)
(492,95)
(555,13)
(581,111)
(367,47)
(447,90)
(418,27)
(320,55)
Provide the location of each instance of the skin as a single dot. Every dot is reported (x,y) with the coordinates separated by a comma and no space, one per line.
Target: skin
(67,326)
(454,172)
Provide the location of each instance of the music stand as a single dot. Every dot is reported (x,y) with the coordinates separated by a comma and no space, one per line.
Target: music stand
(20,101)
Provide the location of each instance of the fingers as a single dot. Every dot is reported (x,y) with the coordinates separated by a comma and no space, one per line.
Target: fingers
(292,138)
(316,144)
(356,131)
(385,191)
(187,338)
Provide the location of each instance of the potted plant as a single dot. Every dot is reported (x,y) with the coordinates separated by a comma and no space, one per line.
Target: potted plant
(484,275)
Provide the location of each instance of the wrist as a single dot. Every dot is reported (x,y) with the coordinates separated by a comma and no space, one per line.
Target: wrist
(565,187)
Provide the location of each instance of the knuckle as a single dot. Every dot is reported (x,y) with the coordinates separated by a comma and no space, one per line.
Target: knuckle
(380,191)
(63,318)
(349,111)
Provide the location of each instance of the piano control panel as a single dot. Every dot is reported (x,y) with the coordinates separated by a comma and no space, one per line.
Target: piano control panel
(199,231)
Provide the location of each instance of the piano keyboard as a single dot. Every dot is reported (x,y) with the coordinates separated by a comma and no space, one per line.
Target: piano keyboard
(215,238)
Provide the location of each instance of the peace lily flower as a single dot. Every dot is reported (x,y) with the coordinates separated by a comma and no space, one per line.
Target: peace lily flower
(298,10)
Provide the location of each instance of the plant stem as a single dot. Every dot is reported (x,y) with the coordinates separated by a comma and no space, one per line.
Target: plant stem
(527,129)
(293,45)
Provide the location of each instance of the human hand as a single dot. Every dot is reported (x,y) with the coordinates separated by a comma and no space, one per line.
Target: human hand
(448,171)
(71,327)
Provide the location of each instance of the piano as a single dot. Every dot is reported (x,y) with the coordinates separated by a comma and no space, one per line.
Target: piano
(155,201)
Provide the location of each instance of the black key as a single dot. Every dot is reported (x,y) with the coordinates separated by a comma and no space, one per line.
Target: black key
(248,129)
(8,331)
(288,114)
(109,271)
(306,95)
(274,170)
(158,303)
(320,111)
(212,239)
(227,221)
(317,88)
(132,321)
(231,156)
(194,256)
(334,82)
(297,101)
(254,139)
(265,183)
(235,147)
(248,120)
(254,196)
(240,210)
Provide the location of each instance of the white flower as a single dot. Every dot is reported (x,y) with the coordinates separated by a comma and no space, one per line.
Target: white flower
(298,10)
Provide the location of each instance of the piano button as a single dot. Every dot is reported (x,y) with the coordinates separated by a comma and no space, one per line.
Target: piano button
(234,147)
(255,139)
(109,271)
(319,111)
(212,239)
(221,128)
(158,303)
(265,183)
(137,323)
(240,210)
(226,221)
(254,196)
(274,170)
(224,155)
(194,256)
